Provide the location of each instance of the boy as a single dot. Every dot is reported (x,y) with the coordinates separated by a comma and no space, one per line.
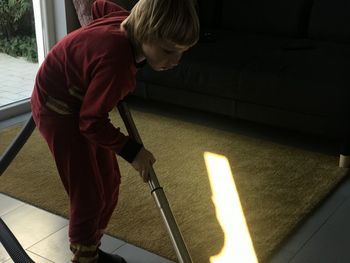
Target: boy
(82,79)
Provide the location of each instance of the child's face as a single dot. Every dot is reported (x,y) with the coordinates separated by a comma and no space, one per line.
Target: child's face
(162,55)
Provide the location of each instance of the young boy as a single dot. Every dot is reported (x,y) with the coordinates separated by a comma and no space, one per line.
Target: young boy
(82,79)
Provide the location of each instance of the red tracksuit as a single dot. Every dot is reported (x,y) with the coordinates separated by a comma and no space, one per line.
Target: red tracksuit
(82,79)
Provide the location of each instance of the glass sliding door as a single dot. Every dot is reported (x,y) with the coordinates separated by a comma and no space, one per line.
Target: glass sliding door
(18,51)
(22,46)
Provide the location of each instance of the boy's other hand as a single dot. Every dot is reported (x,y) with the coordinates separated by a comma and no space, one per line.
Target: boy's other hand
(143,163)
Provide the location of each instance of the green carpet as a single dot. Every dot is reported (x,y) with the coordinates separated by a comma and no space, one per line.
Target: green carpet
(278,185)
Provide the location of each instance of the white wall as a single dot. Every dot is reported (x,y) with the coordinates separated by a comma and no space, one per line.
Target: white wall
(61,19)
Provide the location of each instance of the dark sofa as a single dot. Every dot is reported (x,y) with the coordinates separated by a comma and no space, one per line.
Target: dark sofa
(282,63)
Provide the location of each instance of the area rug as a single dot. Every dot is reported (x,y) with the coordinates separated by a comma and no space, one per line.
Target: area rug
(277,185)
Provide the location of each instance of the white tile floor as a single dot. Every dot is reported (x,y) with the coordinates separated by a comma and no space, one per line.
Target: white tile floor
(45,236)
(16,79)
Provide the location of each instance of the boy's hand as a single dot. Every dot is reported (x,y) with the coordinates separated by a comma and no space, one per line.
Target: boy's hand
(143,163)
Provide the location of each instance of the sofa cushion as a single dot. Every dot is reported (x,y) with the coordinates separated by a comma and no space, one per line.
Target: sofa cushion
(191,99)
(330,20)
(310,81)
(208,12)
(274,17)
(309,123)
(214,68)
(195,76)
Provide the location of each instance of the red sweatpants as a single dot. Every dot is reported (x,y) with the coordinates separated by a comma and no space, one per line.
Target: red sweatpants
(90,175)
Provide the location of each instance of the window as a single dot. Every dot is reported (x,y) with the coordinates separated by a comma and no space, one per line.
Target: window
(24,41)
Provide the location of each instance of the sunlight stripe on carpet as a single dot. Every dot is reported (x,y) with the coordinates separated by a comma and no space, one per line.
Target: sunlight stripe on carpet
(238,246)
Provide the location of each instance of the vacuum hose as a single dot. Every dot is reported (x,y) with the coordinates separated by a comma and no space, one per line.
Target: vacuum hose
(7,239)
(17,144)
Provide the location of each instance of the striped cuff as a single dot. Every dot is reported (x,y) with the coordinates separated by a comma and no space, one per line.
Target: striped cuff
(130,150)
(84,254)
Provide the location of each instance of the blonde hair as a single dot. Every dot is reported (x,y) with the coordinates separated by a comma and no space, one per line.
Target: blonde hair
(172,20)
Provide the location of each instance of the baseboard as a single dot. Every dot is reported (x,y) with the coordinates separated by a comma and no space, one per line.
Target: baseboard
(15,109)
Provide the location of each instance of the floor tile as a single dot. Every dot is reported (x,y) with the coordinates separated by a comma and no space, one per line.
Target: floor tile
(308,228)
(8,204)
(331,242)
(35,258)
(56,246)
(3,254)
(311,225)
(134,254)
(110,244)
(282,256)
(31,225)
(344,188)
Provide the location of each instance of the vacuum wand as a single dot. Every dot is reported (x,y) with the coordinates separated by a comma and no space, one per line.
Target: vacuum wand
(158,193)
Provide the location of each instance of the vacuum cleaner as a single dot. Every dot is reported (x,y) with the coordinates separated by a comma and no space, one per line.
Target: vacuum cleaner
(13,247)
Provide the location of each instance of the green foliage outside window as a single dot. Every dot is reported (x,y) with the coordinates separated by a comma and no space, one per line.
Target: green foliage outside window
(17,34)
(20,46)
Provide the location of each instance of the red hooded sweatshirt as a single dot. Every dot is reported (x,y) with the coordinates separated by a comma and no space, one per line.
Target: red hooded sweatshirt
(86,74)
